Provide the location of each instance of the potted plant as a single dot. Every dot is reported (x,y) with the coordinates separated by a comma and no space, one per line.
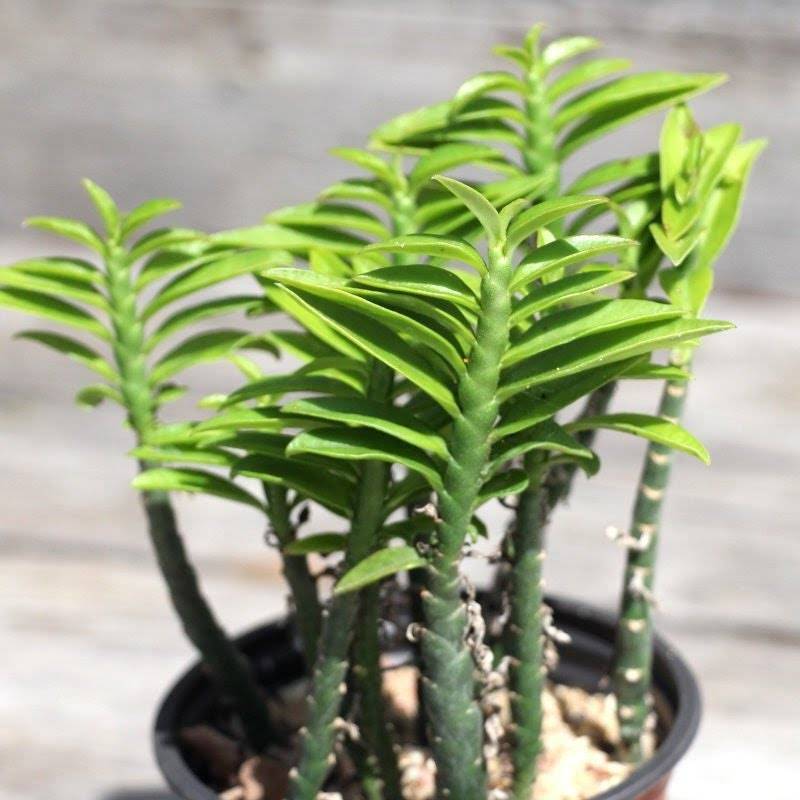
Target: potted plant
(445,330)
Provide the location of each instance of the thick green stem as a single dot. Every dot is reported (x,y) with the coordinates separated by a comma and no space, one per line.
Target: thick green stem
(454,715)
(228,668)
(525,632)
(338,623)
(381,761)
(226,665)
(540,150)
(302,586)
(631,673)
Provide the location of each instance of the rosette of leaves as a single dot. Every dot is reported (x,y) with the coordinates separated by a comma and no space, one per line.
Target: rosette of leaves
(128,302)
(482,391)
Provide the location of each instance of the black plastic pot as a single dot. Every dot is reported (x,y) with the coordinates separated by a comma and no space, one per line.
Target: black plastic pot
(584,662)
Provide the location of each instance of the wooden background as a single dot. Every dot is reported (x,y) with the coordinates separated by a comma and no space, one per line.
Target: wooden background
(231,107)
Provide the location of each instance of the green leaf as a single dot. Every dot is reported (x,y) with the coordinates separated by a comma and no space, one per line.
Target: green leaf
(408,529)
(70,229)
(512,481)
(106,207)
(73,269)
(43,305)
(483,83)
(564,49)
(311,321)
(75,350)
(198,348)
(654,429)
(446,157)
(606,347)
(620,169)
(675,250)
(546,212)
(424,280)
(566,289)
(185,479)
(647,370)
(617,102)
(483,210)
(360,411)
(145,212)
(182,454)
(378,565)
(358,444)
(53,284)
(322,543)
(368,161)
(381,342)
(330,215)
(588,72)
(567,325)
(361,190)
(91,396)
(678,129)
(281,237)
(434,246)
(169,393)
(309,479)
(541,402)
(209,274)
(208,308)
(276,385)
(547,436)
(163,239)
(412,124)
(336,291)
(563,253)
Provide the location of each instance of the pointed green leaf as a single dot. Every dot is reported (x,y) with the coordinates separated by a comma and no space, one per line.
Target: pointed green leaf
(433,246)
(91,396)
(566,289)
(378,565)
(281,237)
(424,280)
(483,83)
(206,309)
(163,239)
(336,291)
(308,479)
(546,212)
(209,274)
(531,407)
(585,73)
(75,350)
(359,444)
(276,385)
(106,207)
(166,479)
(412,124)
(145,212)
(198,348)
(368,161)
(60,285)
(43,305)
(446,157)
(360,411)
(383,343)
(606,347)
(361,190)
(654,429)
(567,325)
(483,210)
(547,436)
(330,215)
(182,454)
(512,481)
(322,543)
(620,169)
(70,229)
(562,50)
(563,253)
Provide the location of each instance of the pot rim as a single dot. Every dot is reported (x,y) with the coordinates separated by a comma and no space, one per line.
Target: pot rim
(671,674)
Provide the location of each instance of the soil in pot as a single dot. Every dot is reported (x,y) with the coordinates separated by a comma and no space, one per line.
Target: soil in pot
(196,739)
